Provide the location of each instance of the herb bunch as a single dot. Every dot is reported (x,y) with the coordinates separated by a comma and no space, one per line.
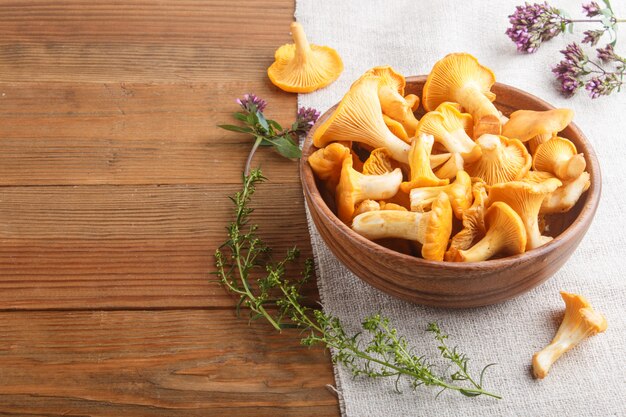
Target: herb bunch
(245,267)
(533,24)
(267,132)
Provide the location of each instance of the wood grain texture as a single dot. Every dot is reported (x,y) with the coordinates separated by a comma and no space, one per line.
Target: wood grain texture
(157,363)
(113,185)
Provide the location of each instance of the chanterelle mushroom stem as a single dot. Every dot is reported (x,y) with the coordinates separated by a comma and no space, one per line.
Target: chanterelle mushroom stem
(299,38)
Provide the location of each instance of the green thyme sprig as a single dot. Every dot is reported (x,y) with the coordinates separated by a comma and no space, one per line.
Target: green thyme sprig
(268,132)
(245,267)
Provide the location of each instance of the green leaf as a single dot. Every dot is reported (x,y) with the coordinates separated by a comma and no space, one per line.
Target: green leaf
(286,147)
(262,121)
(234,128)
(240,116)
(275,125)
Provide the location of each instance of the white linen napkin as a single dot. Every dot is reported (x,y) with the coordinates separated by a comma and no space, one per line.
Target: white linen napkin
(590,380)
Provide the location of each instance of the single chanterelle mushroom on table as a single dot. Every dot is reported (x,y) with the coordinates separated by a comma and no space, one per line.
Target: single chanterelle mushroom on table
(422,174)
(327,162)
(355,187)
(580,322)
(359,118)
(505,235)
(526,198)
(559,157)
(536,127)
(448,128)
(392,100)
(460,78)
(502,160)
(459,192)
(432,229)
(301,67)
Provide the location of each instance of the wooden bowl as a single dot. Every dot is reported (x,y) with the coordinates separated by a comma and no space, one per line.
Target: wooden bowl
(451,284)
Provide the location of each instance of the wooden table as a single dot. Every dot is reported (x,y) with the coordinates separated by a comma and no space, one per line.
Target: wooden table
(113,186)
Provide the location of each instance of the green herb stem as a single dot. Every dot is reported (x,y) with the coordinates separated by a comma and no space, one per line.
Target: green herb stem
(385,355)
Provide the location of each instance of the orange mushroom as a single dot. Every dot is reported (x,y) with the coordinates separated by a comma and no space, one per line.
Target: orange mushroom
(422,174)
(536,127)
(559,156)
(502,160)
(359,118)
(460,78)
(301,67)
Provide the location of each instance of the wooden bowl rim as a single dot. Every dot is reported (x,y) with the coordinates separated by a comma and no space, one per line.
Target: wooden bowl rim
(591,199)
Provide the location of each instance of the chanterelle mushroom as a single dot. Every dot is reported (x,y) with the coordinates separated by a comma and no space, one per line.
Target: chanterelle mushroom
(536,127)
(473,222)
(392,102)
(448,128)
(327,163)
(359,118)
(566,196)
(459,192)
(502,160)
(378,163)
(558,156)
(460,78)
(301,67)
(432,229)
(422,174)
(580,322)
(355,187)
(525,198)
(505,234)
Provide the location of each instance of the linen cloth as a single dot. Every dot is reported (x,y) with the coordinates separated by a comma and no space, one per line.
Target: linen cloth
(589,380)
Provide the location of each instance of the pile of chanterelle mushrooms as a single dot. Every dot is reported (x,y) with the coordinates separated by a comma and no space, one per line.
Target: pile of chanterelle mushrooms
(465,182)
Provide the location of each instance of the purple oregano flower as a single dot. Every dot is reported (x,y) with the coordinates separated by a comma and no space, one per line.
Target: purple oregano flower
(571,69)
(251,102)
(533,24)
(592,9)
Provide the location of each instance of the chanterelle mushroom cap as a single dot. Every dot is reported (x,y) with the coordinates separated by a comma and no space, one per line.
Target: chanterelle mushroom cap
(505,234)
(566,196)
(459,192)
(327,162)
(359,118)
(301,67)
(392,102)
(355,187)
(432,229)
(525,198)
(580,321)
(378,163)
(528,124)
(558,156)
(422,174)
(502,160)
(448,128)
(460,78)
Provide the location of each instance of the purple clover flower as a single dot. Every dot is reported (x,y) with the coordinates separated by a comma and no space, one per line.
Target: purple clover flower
(533,24)
(592,9)
(251,103)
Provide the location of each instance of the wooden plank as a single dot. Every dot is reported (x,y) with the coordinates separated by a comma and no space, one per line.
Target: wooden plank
(65,133)
(125,246)
(157,363)
(140,40)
